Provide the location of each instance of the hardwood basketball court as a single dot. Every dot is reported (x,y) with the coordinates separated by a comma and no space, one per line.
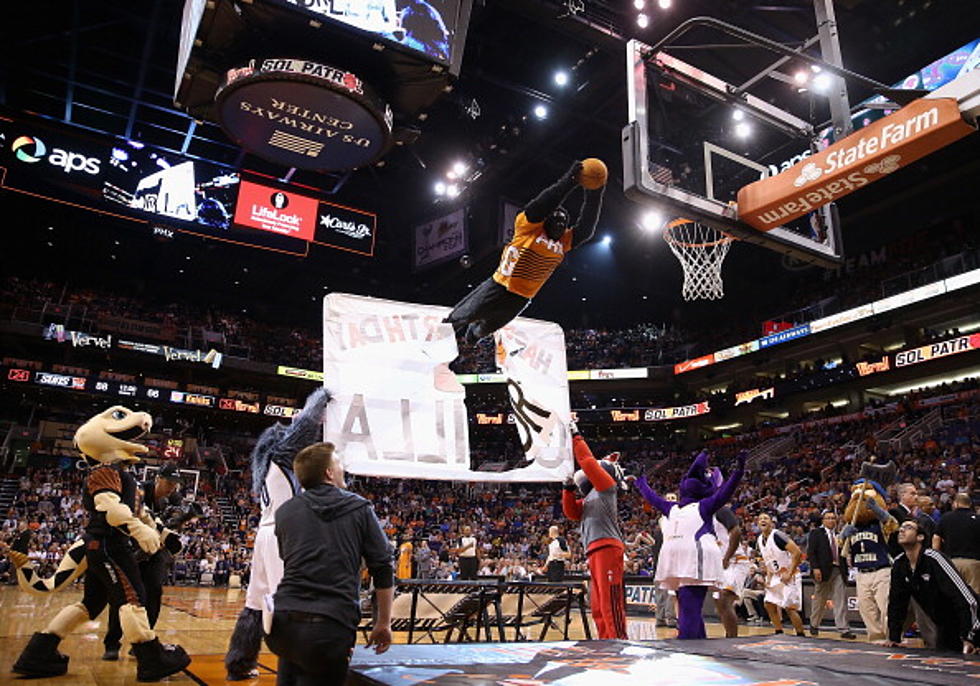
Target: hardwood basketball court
(200,619)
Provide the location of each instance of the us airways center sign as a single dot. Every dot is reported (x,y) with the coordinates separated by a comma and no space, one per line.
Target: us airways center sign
(303,114)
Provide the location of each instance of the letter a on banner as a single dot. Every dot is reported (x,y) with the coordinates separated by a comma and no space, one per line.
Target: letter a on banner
(531,354)
(398,411)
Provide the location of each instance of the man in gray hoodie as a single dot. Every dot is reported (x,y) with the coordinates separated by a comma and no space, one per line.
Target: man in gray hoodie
(323,533)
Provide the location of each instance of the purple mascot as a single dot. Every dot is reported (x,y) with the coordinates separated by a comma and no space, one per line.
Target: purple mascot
(690,559)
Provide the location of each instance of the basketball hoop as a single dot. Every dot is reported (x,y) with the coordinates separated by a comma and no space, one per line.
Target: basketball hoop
(701,251)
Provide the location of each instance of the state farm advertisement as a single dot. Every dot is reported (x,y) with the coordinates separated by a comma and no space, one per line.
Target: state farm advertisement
(277,211)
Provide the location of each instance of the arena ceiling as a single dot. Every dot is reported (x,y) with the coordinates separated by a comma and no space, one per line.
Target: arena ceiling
(107,67)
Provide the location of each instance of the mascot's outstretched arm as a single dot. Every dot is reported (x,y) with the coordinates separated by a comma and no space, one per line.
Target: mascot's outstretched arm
(598,477)
(548,200)
(280,442)
(652,497)
(571,506)
(714,502)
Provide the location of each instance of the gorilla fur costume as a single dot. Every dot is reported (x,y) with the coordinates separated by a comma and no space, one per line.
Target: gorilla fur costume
(690,559)
(111,502)
(273,483)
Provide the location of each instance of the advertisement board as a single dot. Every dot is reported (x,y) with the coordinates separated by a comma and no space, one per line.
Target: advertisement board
(276,211)
(439,240)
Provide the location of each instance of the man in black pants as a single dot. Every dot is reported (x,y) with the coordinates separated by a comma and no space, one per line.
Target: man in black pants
(469,563)
(542,235)
(323,533)
(928,577)
(158,494)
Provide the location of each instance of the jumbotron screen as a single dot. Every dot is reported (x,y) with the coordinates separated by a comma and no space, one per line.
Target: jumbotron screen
(428,26)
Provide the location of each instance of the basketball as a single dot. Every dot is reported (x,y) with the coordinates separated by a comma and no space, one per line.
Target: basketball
(594,174)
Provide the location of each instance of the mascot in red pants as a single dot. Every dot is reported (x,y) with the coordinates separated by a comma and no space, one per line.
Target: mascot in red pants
(599,483)
(103,553)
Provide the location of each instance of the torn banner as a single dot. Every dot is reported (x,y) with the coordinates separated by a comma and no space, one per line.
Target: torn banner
(398,410)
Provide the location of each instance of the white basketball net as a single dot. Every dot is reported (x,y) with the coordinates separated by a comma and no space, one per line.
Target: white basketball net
(701,251)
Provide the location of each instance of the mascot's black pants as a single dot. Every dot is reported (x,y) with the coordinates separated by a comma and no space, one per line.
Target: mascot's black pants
(153,573)
(485,309)
(112,578)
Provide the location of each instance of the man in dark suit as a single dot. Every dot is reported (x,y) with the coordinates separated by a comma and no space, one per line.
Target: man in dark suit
(829,570)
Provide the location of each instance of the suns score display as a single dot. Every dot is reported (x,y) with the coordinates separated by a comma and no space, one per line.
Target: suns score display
(398,410)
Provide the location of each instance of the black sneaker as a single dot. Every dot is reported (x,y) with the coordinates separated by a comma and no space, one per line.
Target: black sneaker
(849,635)
(155,660)
(41,658)
(814,631)
(111,654)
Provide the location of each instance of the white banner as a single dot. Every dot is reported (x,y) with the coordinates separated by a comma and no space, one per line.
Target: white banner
(398,411)
(440,240)
(531,354)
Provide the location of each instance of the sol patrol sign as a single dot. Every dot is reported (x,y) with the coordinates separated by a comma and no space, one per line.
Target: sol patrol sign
(303,114)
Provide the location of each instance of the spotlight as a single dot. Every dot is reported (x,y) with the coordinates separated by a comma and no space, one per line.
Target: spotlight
(801,77)
(822,82)
(607,239)
(738,115)
(652,220)
(452,190)
(642,20)
(540,111)
(664,4)
(451,175)
(440,188)
(638,4)
(742,129)
(561,78)
(460,168)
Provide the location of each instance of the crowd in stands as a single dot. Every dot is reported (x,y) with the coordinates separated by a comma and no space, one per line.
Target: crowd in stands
(511,521)
(920,258)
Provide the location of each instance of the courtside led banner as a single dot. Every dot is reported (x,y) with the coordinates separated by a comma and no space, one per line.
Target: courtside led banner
(885,146)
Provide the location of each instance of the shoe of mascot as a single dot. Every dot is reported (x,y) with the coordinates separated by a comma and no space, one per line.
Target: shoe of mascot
(103,554)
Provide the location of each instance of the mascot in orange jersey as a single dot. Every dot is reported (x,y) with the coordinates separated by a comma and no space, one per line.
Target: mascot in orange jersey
(111,574)
(543,234)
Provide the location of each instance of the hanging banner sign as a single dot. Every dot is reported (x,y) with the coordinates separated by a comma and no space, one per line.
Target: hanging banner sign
(398,411)
(531,354)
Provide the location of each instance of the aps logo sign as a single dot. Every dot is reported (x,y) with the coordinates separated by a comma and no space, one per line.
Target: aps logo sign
(31,149)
